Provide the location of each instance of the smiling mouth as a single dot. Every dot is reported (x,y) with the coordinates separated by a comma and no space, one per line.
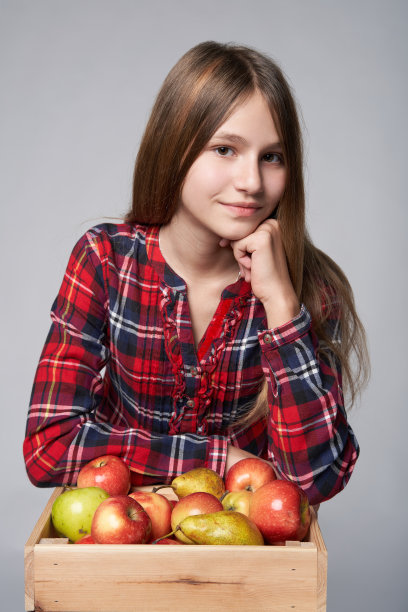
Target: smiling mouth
(240,204)
(240,209)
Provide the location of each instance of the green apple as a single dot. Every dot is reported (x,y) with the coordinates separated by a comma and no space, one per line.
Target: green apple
(72,512)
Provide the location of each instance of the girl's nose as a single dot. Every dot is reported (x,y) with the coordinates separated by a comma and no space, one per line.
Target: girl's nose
(248,176)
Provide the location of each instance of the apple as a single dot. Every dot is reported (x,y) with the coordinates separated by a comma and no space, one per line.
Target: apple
(108,472)
(121,520)
(159,510)
(237,501)
(194,503)
(88,539)
(250,473)
(72,512)
(280,509)
(168,541)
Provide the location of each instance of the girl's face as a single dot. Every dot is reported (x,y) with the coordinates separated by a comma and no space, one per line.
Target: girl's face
(238,179)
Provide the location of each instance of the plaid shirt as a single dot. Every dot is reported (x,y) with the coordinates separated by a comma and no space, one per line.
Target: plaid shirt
(120,374)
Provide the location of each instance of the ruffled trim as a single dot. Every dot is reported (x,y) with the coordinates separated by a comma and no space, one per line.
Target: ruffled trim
(206,392)
(172,346)
(207,365)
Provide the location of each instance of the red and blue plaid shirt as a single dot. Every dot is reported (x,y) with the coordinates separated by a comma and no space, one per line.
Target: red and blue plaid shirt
(120,374)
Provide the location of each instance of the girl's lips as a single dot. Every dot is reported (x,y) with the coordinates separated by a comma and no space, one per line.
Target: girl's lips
(241,210)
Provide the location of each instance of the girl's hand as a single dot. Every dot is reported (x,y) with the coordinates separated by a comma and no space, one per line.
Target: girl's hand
(262,262)
(235,454)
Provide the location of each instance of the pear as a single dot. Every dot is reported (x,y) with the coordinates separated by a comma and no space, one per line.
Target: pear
(198,480)
(221,528)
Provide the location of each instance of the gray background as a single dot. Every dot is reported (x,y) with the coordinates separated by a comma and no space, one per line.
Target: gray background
(78,80)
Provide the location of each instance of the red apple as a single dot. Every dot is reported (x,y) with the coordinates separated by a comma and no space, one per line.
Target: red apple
(87,539)
(195,503)
(159,510)
(280,510)
(250,473)
(108,472)
(168,541)
(237,501)
(121,521)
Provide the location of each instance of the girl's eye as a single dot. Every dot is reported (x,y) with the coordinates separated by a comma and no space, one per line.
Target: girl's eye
(224,151)
(273,158)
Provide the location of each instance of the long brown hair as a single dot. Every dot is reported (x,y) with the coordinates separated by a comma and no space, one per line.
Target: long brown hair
(198,95)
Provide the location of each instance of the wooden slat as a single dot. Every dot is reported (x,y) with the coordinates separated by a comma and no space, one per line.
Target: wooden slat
(316,536)
(29,577)
(51,541)
(107,577)
(42,529)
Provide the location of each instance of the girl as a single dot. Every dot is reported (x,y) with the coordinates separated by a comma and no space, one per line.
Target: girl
(205,328)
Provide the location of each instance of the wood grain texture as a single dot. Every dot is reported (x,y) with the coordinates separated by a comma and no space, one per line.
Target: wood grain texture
(143,577)
(316,536)
(43,528)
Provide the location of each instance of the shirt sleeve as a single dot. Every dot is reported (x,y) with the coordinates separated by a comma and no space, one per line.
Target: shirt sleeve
(309,439)
(62,433)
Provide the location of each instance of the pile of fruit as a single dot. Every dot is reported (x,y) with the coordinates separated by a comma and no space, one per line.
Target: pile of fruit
(250,507)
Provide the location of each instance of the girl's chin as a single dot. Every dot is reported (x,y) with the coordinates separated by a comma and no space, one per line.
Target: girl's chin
(237,235)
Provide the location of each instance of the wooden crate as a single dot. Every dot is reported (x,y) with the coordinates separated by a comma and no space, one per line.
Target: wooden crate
(146,578)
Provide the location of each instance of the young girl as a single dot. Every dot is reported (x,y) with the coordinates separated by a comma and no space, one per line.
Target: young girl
(206,327)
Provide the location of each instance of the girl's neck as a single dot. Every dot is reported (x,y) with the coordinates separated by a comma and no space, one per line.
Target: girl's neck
(197,256)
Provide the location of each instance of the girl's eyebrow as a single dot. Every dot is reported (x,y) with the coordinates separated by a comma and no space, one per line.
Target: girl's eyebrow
(240,140)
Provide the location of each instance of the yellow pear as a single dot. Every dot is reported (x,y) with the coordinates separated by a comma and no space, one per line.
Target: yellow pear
(221,528)
(198,480)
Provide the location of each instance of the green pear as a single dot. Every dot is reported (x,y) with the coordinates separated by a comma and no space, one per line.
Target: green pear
(198,480)
(73,510)
(221,528)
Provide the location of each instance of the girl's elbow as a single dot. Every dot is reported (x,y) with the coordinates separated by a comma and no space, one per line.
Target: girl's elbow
(328,485)
(39,470)
(38,477)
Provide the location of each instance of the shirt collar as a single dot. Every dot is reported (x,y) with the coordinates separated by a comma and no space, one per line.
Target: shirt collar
(162,268)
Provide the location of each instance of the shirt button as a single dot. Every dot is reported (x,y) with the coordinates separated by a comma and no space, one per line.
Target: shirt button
(267,338)
(203,427)
(190,403)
